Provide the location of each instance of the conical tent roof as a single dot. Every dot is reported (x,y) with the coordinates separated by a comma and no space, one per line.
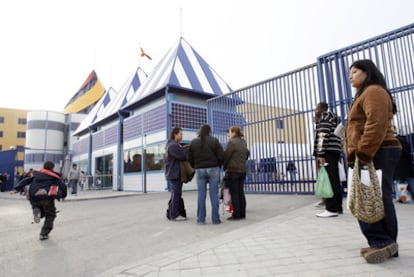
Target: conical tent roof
(126,93)
(112,101)
(96,111)
(182,67)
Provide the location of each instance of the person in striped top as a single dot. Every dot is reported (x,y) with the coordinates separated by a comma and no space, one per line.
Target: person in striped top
(327,150)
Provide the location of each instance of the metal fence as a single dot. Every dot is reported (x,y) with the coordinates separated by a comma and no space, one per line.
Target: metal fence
(277,115)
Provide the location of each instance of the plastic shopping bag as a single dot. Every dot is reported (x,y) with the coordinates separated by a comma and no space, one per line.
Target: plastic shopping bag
(323,185)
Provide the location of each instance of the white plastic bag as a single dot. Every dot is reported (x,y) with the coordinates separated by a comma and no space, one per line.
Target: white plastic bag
(342,175)
(226,196)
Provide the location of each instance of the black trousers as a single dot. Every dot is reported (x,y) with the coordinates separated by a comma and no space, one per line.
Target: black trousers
(235,182)
(334,204)
(48,212)
(176,191)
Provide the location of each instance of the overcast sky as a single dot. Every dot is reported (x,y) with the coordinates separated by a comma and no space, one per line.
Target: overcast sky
(49,47)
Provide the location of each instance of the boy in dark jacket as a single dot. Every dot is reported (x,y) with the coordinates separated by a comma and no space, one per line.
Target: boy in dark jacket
(42,189)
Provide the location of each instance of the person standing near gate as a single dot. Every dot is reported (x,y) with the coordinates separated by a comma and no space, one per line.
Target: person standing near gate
(291,168)
(205,154)
(234,164)
(370,138)
(405,168)
(74,178)
(327,150)
(174,154)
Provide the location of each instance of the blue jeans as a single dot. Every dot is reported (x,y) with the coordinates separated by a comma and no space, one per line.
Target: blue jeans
(292,175)
(209,175)
(384,232)
(74,186)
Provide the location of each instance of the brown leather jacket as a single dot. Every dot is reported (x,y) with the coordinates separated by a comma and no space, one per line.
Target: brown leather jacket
(369,125)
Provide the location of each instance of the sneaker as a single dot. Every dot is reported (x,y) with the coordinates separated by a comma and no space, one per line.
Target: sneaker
(380,255)
(327,214)
(180,218)
(43,237)
(37,213)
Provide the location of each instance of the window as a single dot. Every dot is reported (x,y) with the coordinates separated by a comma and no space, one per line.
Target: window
(279,124)
(21,121)
(1,134)
(1,119)
(155,157)
(21,134)
(1,147)
(133,160)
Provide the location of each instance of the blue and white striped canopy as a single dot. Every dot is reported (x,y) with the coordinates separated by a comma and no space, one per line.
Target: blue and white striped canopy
(182,67)
(97,111)
(111,102)
(126,93)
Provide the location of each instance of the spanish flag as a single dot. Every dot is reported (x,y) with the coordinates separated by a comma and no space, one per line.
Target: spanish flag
(143,54)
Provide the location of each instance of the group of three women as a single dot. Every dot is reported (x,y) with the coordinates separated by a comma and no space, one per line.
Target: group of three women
(207,156)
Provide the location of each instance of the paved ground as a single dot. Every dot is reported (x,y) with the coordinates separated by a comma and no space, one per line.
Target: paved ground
(293,242)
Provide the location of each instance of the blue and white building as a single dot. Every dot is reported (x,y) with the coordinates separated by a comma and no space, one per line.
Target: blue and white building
(121,143)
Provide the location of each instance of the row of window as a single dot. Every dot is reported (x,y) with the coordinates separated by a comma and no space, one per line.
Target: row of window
(21,121)
(19,134)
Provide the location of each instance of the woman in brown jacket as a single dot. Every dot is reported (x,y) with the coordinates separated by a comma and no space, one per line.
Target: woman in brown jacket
(370,137)
(234,164)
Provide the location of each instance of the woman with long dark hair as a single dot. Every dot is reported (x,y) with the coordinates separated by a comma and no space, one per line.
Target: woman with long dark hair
(206,154)
(370,137)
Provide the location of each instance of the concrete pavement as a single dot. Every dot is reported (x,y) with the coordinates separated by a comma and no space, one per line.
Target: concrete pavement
(295,243)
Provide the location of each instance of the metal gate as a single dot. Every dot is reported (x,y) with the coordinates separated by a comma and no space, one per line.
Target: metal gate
(276,115)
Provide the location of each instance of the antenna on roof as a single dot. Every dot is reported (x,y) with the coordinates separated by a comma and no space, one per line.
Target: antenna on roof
(110,77)
(93,58)
(181,22)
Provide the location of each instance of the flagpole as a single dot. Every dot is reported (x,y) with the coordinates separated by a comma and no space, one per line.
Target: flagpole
(181,22)
(110,75)
(139,56)
(93,58)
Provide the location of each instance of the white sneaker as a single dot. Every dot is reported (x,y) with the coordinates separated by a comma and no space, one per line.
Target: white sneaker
(180,218)
(327,214)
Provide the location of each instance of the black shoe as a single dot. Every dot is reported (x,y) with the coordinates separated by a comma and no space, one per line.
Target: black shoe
(233,218)
(43,237)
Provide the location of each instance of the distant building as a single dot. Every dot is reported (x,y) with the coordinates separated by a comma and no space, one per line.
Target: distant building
(49,133)
(13,133)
